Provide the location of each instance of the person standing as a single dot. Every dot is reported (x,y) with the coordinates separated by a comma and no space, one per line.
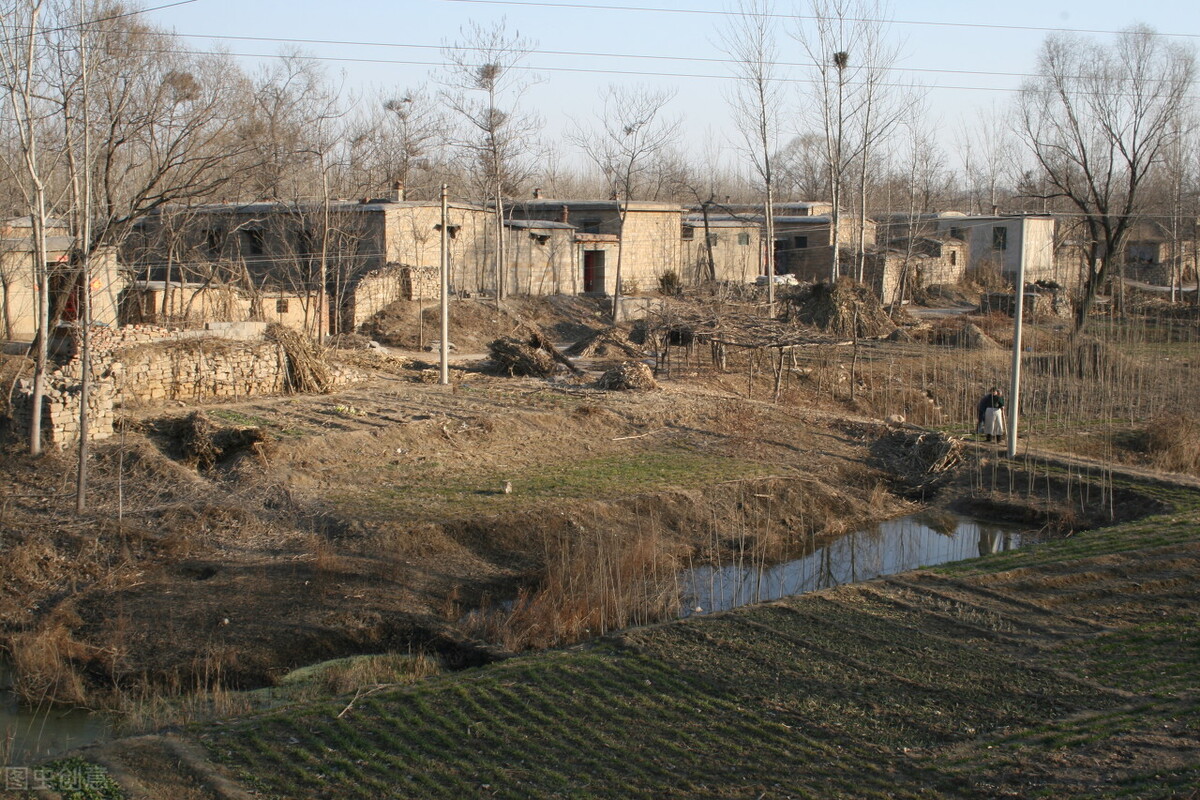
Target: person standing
(991,420)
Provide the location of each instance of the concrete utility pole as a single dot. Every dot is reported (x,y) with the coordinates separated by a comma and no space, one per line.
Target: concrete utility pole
(1018,315)
(444,347)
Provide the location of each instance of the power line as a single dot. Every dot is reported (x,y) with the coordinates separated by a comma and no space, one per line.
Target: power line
(710,12)
(573,53)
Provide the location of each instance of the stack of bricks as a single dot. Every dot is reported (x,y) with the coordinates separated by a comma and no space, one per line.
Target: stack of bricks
(60,409)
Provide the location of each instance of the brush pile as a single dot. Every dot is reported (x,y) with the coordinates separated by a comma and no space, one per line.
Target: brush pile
(306,370)
(972,337)
(628,376)
(843,309)
(608,343)
(204,444)
(922,460)
(528,352)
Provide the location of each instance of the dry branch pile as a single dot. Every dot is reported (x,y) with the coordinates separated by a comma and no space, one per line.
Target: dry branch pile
(205,444)
(630,375)
(306,369)
(842,309)
(611,342)
(972,337)
(922,460)
(528,352)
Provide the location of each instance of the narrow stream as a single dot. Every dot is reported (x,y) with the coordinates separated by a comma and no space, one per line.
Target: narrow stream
(28,735)
(892,546)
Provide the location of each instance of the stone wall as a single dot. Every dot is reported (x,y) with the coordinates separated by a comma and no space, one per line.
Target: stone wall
(60,410)
(151,365)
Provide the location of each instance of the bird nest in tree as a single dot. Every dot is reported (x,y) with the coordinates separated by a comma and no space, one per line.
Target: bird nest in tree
(529,352)
(843,309)
(630,375)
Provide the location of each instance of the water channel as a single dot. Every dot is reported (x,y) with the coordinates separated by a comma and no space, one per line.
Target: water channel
(889,547)
(29,735)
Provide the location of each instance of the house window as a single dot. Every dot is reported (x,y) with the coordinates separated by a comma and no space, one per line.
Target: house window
(800,242)
(743,238)
(953,258)
(590,225)
(281,306)
(687,233)
(254,242)
(212,242)
(999,238)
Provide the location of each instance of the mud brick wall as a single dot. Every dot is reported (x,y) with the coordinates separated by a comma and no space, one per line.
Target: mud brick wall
(60,409)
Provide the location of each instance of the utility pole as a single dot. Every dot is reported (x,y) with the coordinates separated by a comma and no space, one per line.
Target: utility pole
(444,346)
(1018,315)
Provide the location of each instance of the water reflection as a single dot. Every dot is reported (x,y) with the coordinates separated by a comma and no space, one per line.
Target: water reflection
(28,735)
(893,546)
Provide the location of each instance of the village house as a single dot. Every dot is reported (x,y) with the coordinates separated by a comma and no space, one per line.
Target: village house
(277,257)
(804,243)
(999,242)
(895,272)
(648,244)
(18,285)
(1160,253)
(542,258)
(721,248)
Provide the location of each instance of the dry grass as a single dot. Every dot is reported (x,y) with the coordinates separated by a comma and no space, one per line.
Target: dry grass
(1173,443)
(365,672)
(594,581)
(44,665)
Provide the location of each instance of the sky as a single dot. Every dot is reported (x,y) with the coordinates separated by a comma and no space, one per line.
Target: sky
(969,55)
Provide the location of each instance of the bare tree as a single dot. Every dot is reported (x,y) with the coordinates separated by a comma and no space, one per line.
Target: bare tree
(987,152)
(485,80)
(630,136)
(23,53)
(802,171)
(851,58)
(757,102)
(1098,119)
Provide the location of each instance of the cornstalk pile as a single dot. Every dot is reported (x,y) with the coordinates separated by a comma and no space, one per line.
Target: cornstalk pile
(306,370)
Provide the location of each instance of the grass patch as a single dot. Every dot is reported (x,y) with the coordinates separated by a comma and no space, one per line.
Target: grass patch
(442,489)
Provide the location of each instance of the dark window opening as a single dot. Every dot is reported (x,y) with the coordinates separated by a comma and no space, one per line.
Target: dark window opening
(255,243)
(540,238)
(590,225)
(451,230)
(687,233)
(999,238)
(800,242)
(212,242)
(281,306)
(953,258)
(743,238)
